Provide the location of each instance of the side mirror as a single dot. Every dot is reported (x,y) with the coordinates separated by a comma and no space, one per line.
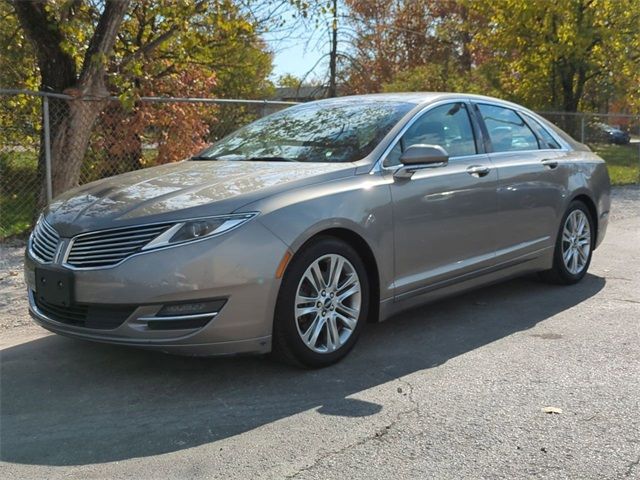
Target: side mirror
(419,157)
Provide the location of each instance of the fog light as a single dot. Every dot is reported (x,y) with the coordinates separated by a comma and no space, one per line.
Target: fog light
(183,316)
(178,309)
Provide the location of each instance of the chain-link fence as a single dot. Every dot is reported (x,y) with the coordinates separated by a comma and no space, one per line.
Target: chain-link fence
(90,139)
(615,137)
(50,142)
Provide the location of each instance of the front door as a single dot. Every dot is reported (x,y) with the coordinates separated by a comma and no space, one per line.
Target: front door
(444,217)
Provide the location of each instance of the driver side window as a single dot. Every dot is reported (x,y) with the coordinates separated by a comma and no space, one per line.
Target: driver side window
(447,126)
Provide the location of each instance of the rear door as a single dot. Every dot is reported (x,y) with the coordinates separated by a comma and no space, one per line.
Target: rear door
(444,217)
(530,180)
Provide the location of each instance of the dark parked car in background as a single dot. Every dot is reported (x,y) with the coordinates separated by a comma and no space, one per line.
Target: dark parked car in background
(601,132)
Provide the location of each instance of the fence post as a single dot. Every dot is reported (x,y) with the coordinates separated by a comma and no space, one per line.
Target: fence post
(47,147)
(582,128)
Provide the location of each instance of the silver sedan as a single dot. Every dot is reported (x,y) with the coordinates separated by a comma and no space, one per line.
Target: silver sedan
(296,230)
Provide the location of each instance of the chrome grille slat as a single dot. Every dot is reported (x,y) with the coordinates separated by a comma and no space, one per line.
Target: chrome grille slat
(104,250)
(123,233)
(43,255)
(84,247)
(42,247)
(44,242)
(99,255)
(47,243)
(110,247)
(49,228)
(128,237)
(95,263)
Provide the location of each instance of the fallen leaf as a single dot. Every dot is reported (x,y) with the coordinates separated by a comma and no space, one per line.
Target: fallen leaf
(552,410)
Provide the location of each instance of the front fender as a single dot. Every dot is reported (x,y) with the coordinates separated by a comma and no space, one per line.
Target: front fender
(360,204)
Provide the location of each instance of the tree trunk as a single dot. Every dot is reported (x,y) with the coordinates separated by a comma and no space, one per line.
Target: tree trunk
(333,57)
(466,39)
(70,139)
(71,121)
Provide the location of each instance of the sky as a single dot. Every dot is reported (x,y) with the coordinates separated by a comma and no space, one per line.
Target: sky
(291,56)
(296,52)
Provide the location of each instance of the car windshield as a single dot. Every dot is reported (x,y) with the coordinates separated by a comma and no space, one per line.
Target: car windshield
(326,131)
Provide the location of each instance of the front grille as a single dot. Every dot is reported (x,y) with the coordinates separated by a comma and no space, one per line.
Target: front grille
(109,247)
(44,242)
(88,316)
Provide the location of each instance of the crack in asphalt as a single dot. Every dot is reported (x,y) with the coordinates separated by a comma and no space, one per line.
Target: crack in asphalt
(378,435)
(626,300)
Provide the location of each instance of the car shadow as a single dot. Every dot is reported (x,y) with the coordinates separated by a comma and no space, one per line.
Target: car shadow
(68,402)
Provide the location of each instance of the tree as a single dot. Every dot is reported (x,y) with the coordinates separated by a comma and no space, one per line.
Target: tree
(17,64)
(418,44)
(549,53)
(219,54)
(561,55)
(91,50)
(288,80)
(59,72)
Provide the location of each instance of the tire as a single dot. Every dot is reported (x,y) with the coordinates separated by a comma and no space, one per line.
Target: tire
(333,303)
(563,272)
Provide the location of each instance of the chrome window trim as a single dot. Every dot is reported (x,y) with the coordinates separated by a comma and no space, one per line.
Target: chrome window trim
(249,215)
(379,167)
(514,152)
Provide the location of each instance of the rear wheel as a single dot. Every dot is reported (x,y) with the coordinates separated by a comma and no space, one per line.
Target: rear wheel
(322,304)
(574,246)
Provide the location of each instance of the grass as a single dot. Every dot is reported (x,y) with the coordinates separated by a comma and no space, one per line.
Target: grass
(18,192)
(19,186)
(623,162)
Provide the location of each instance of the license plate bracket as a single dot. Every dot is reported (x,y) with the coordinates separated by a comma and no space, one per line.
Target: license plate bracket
(55,286)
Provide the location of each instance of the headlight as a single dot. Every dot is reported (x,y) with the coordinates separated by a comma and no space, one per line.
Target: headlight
(198,228)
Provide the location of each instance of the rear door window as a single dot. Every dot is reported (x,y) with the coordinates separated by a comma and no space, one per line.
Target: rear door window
(508,132)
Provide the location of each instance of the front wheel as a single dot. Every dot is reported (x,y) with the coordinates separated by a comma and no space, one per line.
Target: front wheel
(574,246)
(322,304)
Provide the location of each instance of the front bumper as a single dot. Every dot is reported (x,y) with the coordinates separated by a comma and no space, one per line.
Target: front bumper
(239,266)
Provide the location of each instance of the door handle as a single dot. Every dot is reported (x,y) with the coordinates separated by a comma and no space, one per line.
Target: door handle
(551,164)
(478,170)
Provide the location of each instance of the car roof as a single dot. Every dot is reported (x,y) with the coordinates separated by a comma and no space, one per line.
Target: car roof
(421,98)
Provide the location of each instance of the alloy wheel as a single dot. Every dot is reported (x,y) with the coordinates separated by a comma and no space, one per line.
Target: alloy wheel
(576,242)
(328,303)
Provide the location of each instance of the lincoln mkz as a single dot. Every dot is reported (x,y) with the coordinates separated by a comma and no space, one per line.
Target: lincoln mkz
(292,233)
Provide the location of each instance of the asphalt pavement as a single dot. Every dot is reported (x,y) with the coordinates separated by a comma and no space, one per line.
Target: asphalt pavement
(457,389)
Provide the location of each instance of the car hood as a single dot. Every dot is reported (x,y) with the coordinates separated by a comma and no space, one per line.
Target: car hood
(180,190)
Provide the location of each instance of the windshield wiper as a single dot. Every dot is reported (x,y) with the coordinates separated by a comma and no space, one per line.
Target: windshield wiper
(228,156)
(242,158)
(268,159)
